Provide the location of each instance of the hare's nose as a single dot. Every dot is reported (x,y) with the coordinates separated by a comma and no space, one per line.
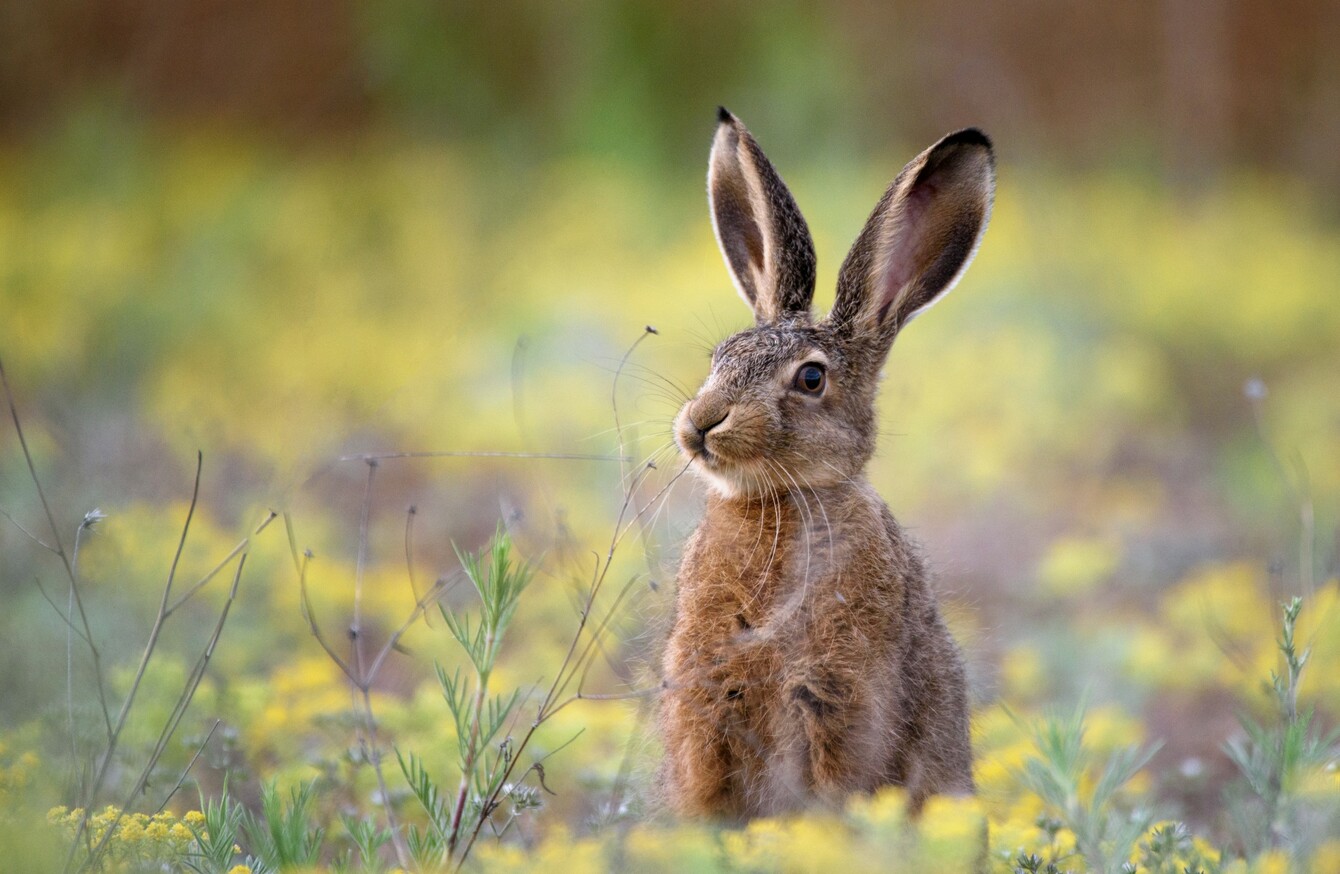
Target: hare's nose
(706,420)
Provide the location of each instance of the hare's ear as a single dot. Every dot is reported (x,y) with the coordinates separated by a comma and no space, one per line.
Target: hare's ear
(920,238)
(762,235)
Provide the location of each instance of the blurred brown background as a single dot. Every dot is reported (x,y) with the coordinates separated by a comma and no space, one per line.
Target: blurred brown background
(1189,86)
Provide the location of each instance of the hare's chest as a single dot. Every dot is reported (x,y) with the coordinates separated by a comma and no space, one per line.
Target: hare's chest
(759,575)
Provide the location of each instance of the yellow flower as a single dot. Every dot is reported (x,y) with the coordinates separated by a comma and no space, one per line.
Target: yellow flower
(240,869)
(685,848)
(1272,862)
(1109,728)
(131,831)
(1023,672)
(884,809)
(818,843)
(194,817)
(1075,565)
(1016,834)
(1209,852)
(1327,857)
(758,846)
(953,820)
(106,817)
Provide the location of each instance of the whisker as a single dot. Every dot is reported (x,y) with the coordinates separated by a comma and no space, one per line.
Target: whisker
(654,374)
(604,431)
(818,499)
(648,463)
(665,384)
(807,517)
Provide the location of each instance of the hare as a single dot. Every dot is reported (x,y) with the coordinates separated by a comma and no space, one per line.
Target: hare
(808,659)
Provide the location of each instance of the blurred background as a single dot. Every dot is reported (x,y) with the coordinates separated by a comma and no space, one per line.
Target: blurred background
(281,233)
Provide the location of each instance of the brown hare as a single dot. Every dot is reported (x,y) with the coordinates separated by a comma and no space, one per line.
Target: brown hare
(808,659)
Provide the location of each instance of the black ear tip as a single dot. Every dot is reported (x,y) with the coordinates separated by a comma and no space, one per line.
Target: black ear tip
(723,115)
(969,136)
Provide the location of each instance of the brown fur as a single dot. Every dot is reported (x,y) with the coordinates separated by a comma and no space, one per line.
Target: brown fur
(808,659)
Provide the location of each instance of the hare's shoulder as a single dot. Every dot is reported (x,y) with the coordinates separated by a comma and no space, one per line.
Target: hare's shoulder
(879,560)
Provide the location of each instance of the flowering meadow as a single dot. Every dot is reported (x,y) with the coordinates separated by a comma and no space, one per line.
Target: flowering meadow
(340,514)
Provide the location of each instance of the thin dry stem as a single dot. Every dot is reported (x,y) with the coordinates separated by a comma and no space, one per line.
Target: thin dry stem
(360,677)
(242,544)
(59,549)
(409,550)
(1300,492)
(183,703)
(181,780)
(31,536)
(306,603)
(568,456)
(356,629)
(150,645)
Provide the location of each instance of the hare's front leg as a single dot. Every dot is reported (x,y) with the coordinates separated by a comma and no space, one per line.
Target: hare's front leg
(700,764)
(713,740)
(835,708)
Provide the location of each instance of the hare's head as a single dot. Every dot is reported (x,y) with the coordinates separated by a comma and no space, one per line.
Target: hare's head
(790,401)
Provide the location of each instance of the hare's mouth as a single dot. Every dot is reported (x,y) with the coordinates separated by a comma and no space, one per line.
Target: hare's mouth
(730,478)
(707,459)
(710,458)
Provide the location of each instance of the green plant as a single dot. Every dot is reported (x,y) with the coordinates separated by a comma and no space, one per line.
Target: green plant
(479,715)
(1171,850)
(1105,832)
(282,835)
(217,835)
(1033,864)
(1276,759)
(368,838)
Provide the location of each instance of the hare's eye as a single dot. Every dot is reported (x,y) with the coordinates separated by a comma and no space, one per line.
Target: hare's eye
(810,379)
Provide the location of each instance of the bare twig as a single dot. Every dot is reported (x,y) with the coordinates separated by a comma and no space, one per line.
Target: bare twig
(176,787)
(412,512)
(306,603)
(1300,492)
(59,549)
(194,679)
(70,632)
(362,677)
(373,752)
(356,628)
(150,645)
(31,536)
(584,658)
(178,710)
(566,456)
(56,607)
(241,545)
(420,608)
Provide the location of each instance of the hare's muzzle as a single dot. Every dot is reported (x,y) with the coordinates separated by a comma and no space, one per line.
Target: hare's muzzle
(696,421)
